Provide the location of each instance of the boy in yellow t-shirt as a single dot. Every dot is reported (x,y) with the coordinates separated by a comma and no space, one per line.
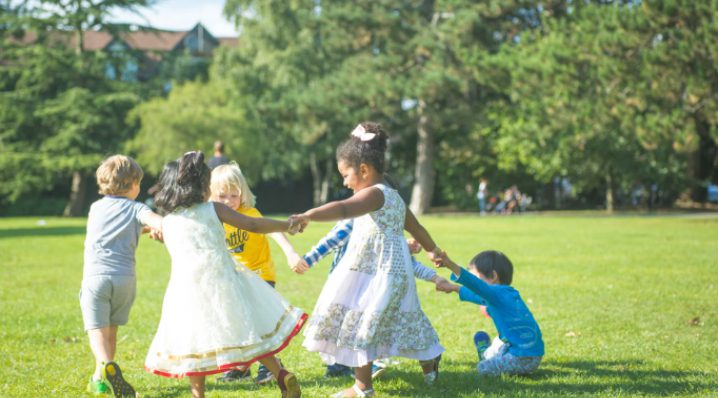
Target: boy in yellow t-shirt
(252,249)
(248,248)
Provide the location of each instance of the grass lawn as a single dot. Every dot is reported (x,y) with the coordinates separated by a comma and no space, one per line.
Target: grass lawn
(627,306)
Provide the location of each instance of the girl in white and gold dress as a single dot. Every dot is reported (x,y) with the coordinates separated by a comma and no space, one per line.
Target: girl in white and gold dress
(216,314)
(369,308)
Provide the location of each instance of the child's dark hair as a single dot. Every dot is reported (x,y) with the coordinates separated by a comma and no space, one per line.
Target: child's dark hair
(360,148)
(490,261)
(183,182)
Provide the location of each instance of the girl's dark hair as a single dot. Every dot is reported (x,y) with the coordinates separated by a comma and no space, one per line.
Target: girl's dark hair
(183,182)
(354,151)
(490,261)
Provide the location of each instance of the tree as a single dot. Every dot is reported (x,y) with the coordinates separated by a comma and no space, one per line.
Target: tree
(59,111)
(286,79)
(678,87)
(77,16)
(192,116)
(311,70)
(578,104)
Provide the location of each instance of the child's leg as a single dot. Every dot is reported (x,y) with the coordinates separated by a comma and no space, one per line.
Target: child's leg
(103,343)
(362,384)
(362,377)
(430,369)
(505,363)
(287,381)
(271,363)
(196,385)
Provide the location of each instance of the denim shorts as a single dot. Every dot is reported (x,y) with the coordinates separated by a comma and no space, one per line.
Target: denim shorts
(497,360)
(106,300)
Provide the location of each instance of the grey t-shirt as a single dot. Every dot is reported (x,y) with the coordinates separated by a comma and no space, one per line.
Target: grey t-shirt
(113,231)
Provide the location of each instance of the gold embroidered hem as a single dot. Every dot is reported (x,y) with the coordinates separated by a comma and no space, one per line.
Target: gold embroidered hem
(208,363)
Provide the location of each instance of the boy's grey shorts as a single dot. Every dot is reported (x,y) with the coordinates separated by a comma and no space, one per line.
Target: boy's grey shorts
(106,300)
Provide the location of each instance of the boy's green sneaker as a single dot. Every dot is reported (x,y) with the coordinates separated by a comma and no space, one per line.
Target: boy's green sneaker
(97,387)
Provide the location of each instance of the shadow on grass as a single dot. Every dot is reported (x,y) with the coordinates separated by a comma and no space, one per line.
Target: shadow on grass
(558,378)
(552,379)
(41,231)
(246,388)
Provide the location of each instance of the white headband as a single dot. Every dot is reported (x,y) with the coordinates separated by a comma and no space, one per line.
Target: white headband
(361,133)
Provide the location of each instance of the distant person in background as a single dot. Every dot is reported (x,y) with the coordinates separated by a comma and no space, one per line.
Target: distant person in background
(218,158)
(481,195)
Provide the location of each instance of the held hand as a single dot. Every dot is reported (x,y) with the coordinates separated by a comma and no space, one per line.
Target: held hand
(300,220)
(156,234)
(297,263)
(438,257)
(446,286)
(295,225)
(414,246)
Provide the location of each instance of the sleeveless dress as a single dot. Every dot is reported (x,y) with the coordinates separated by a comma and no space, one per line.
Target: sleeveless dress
(369,308)
(216,314)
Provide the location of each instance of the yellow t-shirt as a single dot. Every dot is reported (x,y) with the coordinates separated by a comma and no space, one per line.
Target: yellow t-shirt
(250,249)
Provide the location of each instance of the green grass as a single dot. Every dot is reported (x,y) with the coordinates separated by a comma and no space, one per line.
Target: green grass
(627,306)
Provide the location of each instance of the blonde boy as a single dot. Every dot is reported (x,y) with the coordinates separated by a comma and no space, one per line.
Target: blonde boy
(114,225)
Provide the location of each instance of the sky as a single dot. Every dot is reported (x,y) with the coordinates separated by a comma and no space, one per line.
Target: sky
(181,15)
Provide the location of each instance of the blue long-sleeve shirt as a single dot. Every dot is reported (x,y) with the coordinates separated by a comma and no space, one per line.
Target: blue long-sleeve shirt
(337,239)
(511,316)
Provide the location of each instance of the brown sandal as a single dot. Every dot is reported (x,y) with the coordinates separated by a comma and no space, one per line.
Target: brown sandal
(288,384)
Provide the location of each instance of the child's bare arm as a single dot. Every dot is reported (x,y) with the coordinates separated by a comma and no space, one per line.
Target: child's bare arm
(152,220)
(421,235)
(362,202)
(259,224)
(295,261)
(445,261)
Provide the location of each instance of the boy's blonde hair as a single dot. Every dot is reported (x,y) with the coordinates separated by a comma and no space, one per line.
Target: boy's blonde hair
(228,178)
(117,173)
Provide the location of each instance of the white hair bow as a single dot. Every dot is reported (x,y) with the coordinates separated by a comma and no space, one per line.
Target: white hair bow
(361,133)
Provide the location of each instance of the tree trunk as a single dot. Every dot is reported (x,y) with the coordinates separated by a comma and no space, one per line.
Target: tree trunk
(423,189)
(702,161)
(79,42)
(324,188)
(316,179)
(609,192)
(77,196)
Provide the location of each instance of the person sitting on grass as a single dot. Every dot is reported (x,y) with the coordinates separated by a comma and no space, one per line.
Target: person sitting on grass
(518,349)
(108,278)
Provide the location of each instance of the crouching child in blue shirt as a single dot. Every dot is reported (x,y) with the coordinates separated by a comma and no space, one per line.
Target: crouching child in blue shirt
(518,349)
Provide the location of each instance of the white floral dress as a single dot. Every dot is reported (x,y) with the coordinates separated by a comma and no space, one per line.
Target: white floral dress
(369,308)
(216,314)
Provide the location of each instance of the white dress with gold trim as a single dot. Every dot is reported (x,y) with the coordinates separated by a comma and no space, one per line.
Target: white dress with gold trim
(216,314)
